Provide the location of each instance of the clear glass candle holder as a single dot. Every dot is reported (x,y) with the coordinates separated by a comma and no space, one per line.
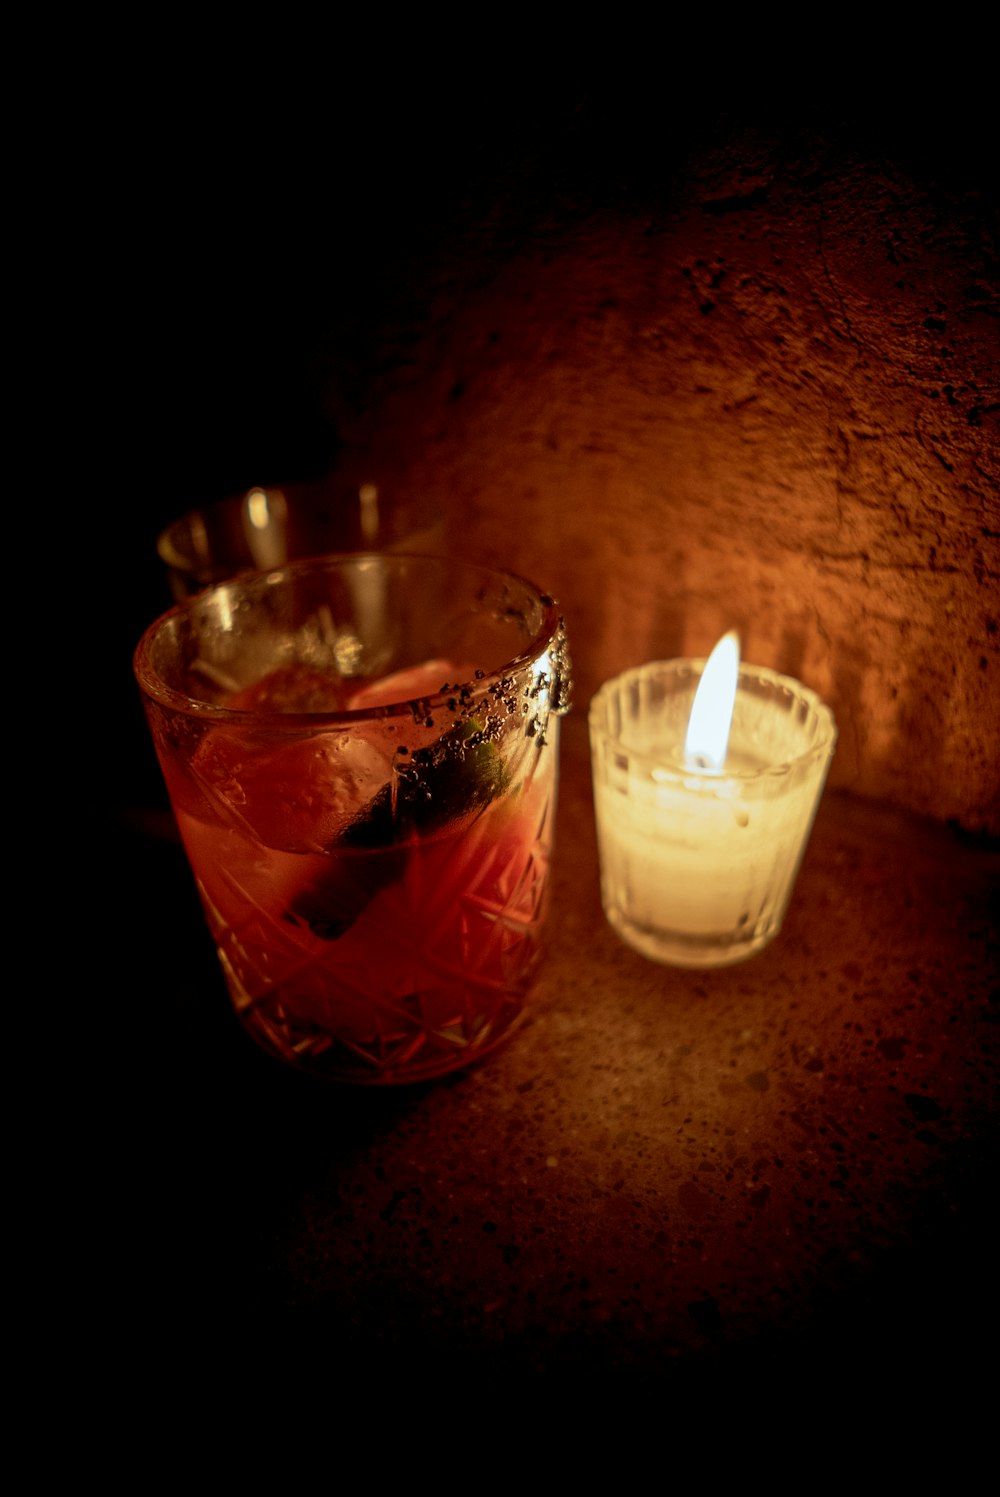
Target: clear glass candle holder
(698,864)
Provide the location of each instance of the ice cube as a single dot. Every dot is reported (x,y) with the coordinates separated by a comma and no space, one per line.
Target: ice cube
(294,795)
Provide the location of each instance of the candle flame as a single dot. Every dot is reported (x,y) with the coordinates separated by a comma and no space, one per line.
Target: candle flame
(712,713)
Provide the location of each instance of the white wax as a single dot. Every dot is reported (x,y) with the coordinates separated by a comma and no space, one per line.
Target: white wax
(701,854)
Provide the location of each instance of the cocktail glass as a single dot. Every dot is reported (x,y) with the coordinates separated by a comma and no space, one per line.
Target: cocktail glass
(361,753)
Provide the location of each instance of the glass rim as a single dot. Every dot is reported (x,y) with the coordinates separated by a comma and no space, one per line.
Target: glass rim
(669,771)
(152,685)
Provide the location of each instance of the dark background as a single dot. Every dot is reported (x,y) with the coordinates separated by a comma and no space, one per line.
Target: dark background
(241,245)
(231,246)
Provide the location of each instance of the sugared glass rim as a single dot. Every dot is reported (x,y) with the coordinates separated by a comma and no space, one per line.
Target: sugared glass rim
(672,771)
(157,690)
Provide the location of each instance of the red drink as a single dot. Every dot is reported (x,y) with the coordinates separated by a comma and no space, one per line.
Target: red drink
(374,873)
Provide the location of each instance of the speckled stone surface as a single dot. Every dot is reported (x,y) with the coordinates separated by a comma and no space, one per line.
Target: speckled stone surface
(783,1169)
(762,394)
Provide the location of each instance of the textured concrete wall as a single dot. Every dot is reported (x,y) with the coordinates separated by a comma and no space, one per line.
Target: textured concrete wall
(757,386)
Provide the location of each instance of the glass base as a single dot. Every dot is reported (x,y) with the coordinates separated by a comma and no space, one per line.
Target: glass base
(681,949)
(408,1057)
(317,1022)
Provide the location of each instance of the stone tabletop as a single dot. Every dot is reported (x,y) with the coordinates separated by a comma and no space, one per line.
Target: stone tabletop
(663,1175)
